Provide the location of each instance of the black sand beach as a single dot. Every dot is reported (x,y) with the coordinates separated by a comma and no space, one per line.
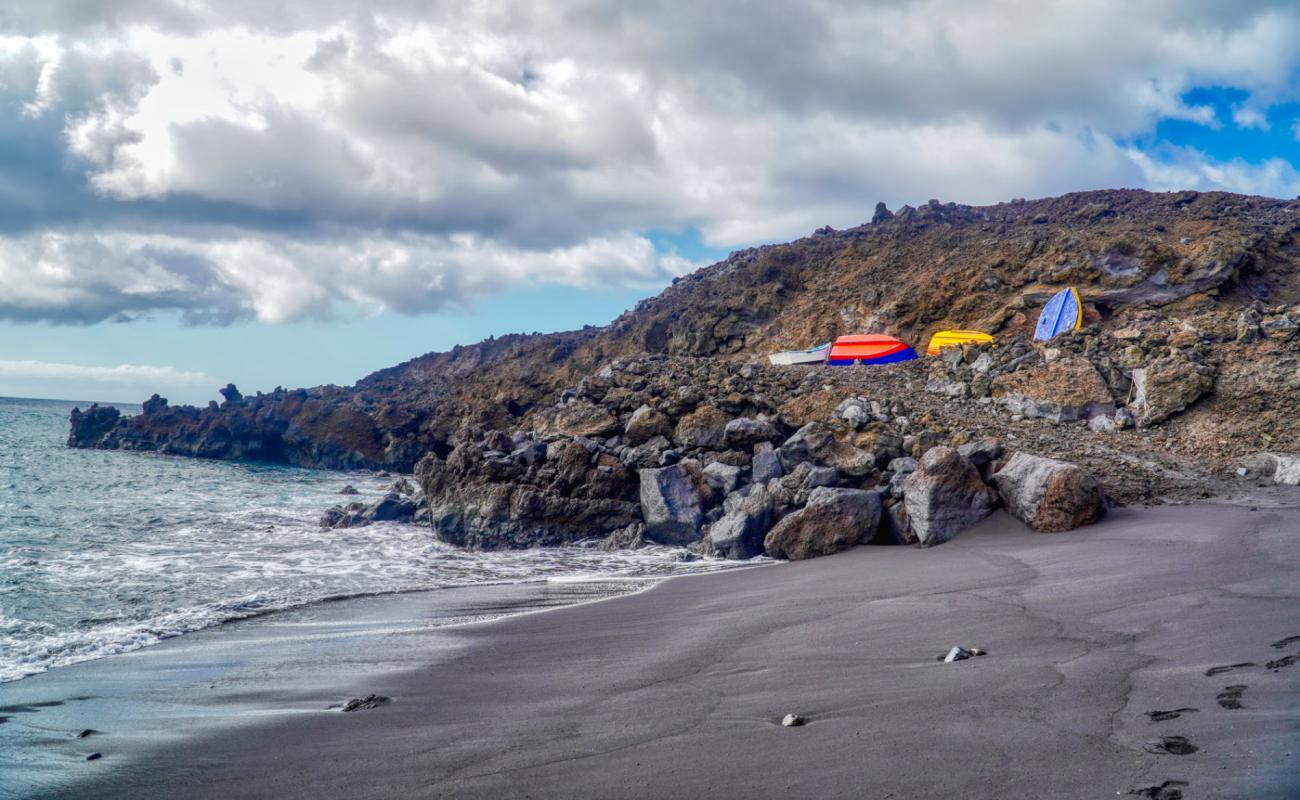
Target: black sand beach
(679,691)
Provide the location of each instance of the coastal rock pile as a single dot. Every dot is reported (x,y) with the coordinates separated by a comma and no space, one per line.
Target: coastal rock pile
(667,425)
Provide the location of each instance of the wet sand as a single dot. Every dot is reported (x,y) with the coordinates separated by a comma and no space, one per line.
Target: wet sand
(678,691)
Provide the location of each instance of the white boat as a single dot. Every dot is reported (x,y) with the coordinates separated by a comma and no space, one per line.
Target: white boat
(813,355)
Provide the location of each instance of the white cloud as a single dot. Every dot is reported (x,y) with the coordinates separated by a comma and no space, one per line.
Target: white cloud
(403,155)
(1248,116)
(93,276)
(121,374)
(1187,168)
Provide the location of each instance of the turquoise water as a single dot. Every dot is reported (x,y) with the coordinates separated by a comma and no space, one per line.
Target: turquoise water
(104,552)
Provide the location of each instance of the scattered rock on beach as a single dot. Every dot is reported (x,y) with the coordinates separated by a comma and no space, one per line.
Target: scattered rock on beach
(961,654)
(87,733)
(349,489)
(1165,716)
(792,721)
(367,702)
(94,756)
(1049,495)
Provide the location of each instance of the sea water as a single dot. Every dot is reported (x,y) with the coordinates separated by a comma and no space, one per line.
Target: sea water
(105,552)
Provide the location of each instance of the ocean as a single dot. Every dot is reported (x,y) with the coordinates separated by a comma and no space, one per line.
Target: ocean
(105,552)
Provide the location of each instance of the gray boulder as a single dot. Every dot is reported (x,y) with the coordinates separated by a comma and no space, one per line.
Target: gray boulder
(739,534)
(945,496)
(767,464)
(1049,495)
(816,442)
(723,478)
(392,507)
(673,501)
(743,433)
(833,520)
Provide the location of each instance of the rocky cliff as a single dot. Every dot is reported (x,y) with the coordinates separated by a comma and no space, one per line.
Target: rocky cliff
(1189,362)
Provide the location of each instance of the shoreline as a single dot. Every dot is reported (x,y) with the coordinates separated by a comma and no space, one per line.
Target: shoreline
(678,690)
(41,714)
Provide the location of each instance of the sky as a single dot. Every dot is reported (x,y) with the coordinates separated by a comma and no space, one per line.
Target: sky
(296,193)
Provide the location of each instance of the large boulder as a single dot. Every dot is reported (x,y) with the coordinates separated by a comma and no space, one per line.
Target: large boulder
(816,442)
(833,520)
(673,501)
(945,496)
(1168,386)
(1049,495)
(645,424)
(1287,470)
(1281,468)
(739,534)
(392,507)
(1068,389)
(704,427)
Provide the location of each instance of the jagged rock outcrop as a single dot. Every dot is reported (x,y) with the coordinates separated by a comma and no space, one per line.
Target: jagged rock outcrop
(944,496)
(833,520)
(1049,495)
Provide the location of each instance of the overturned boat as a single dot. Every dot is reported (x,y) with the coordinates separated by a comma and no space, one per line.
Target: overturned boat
(813,355)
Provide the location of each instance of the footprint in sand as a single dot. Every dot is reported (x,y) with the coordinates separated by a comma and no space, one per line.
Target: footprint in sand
(1230,697)
(1280,643)
(1165,716)
(1284,661)
(1170,745)
(1212,671)
(1169,790)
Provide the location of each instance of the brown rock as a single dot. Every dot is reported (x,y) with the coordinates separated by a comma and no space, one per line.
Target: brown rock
(1068,389)
(833,520)
(1049,495)
(1166,387)
(645,424)
(704,427)
(578,418)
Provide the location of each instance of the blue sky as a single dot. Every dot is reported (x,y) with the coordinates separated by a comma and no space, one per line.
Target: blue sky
(298,193)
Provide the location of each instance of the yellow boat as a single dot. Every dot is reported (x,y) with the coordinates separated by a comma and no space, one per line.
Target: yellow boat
(944,339)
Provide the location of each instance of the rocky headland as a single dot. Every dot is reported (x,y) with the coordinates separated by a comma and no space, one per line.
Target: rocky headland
(668,425)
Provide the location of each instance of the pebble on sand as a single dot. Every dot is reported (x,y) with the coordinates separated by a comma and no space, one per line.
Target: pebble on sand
(792,721)
(961,654)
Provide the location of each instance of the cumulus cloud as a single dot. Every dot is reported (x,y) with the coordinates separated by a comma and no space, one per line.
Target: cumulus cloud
(277,160)
(68,277)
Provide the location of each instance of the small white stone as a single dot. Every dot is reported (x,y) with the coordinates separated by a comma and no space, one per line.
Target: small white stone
(792,721)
